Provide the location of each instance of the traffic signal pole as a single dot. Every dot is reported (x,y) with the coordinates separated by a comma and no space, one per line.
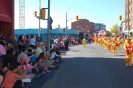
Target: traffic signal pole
(39,18)
(48,30)
(66,24)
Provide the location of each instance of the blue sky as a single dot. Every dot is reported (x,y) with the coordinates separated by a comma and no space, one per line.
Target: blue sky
(98,11)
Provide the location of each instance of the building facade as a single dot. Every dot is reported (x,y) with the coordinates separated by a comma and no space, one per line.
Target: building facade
(43,33)
(7,17)
(83,25)
(128,16)
(99,26)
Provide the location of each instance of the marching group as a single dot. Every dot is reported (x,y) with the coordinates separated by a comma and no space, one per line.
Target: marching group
(32,56)
(113,44)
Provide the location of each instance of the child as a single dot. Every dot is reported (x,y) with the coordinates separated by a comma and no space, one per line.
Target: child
(26,65)
(36,70)
(33,59)
(40,66)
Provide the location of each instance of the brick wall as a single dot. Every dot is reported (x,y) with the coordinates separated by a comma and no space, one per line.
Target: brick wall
(83,24)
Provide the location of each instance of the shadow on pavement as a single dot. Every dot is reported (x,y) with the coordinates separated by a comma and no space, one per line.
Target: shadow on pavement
(38,82)
(88,72)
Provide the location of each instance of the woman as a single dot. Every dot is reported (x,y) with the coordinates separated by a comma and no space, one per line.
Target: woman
(45,59)
(11,77)
(21,43)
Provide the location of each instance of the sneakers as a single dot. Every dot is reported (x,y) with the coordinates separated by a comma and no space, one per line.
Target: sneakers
(47,71)
(56,67)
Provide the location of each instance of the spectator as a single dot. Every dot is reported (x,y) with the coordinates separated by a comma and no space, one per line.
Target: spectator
(23,54)
(39,49)
(21,43)
(45,60)
(10,40)
(11,58)
(32,42)
(54,55)
(26,65)
(1,34)
(27,42)
(11,77)
(33,59)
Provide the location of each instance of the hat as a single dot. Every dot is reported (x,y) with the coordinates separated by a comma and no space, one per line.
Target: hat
(24,60)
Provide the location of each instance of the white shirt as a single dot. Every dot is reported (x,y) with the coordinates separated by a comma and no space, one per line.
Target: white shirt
(22,55)
(53,54)
(56,40)
(32,41)
(39,50)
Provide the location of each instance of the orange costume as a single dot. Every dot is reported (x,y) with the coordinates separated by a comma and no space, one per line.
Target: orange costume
(128,48)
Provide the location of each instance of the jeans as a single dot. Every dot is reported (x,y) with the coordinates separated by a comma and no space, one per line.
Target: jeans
(38,72)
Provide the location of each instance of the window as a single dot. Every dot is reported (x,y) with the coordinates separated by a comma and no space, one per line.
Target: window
(77,26)
(87,26)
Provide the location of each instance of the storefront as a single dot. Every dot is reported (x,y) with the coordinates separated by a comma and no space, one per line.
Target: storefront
(7,17)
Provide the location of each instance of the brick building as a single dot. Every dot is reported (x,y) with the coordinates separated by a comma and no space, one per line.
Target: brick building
(83,25)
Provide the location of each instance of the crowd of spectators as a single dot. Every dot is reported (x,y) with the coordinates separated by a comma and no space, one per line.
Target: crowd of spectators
(31,55)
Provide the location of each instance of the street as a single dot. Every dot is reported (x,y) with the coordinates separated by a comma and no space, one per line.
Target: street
(90,67)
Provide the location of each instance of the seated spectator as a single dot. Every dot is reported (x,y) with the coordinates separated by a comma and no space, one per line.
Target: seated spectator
(33,59)
(26,65)
(44,59)
(11,58)
(23,54)
(39,69)
(39,49)
(54,55)
(11,77)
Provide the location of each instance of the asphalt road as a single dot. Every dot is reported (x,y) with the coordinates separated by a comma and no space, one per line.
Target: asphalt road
(90,67)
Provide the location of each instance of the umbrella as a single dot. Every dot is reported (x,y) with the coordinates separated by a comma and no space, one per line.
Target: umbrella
(2,50)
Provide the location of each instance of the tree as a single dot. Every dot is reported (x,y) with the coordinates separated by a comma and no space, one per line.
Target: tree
(115,29)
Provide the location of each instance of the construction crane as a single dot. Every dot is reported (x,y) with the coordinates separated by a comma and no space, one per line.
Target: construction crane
(21,14)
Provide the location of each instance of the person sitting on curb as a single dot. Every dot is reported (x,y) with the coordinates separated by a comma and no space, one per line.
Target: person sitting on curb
(54,55)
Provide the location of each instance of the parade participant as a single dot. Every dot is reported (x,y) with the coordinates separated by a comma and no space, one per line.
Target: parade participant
(109,45)
(114,45)
(84,42)
(128,48)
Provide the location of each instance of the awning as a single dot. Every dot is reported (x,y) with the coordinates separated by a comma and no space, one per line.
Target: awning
(4,12)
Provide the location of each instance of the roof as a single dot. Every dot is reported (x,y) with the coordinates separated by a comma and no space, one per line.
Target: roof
(44,31)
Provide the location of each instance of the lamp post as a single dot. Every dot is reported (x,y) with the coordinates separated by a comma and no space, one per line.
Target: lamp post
(66,24)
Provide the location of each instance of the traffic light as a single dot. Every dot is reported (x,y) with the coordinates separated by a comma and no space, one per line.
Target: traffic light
(35,13)
(77,18)
(40,28)
(120,17)
(43,13)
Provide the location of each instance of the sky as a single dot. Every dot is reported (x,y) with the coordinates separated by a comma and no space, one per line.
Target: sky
(97,11)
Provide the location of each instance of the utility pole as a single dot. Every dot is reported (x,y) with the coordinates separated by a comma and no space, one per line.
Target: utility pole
(48,29)
(39,18)
(128,19)
(66,24)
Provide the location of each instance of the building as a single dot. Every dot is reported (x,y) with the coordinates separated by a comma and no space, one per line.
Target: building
(7,17)
(128,16)
(83,25)
(99,26)
(43,33)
